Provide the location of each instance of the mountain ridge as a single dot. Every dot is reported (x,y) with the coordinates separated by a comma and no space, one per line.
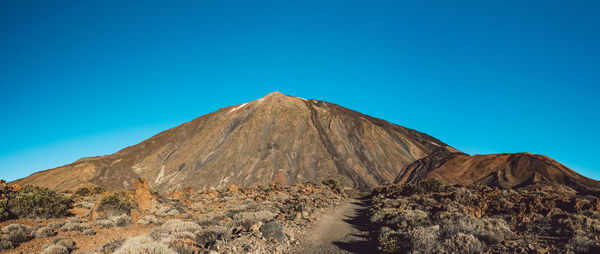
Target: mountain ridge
(282,139)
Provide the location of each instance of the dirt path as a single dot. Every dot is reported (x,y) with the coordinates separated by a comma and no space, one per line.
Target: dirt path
(344,230)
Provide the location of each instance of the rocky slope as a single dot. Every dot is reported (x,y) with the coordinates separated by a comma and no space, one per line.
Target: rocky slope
(502,170)
(276,139)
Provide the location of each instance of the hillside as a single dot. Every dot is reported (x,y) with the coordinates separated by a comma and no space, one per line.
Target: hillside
(506,170)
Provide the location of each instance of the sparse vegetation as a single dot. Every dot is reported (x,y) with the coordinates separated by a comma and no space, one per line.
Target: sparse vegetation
(38,202)
(83,191)
(115,202)
(246,220)
(4,209)
(430,217)
(97,190)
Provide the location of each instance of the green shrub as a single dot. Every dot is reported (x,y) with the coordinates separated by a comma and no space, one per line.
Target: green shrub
(98,190)
(38,202)
(4,212)
(83,192)
(115,202)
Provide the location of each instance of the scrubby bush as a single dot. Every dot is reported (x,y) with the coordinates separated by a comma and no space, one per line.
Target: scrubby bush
(208,220)
(56,225)
(75,226)
(89,231)
(185,246)
(44,232)
(6,245)
(38,202)
(149,219)
(113,245)
(83,192)
(143,245)
(115,202)
(164,211)
(104,223)
(14,234)
(432,185)
(390,241)
(175,229)
(98,190)
(206,237)
(109,220)
(55,249)
(462,243)
(121,220)
(86,205)
(67,243)
(4,210)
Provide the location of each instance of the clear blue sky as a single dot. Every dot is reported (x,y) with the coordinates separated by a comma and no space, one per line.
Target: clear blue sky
(85,78)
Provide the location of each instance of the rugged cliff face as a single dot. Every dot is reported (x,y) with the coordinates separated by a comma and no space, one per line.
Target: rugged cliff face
(275,139)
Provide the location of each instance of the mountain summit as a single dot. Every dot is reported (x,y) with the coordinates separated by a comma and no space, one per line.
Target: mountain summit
(275,139)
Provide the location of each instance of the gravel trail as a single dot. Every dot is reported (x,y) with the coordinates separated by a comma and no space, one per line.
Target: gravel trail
(343,230)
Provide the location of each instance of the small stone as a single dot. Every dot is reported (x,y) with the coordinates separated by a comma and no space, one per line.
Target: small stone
(273,230)
(173,212)
(256,226)
(44,232)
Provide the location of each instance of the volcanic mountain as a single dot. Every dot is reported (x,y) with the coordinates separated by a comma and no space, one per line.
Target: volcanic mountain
(275,139)
(286,140)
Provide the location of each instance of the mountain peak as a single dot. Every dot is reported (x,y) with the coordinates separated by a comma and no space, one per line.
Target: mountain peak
(276,93)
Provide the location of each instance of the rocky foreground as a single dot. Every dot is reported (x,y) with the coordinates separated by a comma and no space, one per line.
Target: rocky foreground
(270,219)
(430,217)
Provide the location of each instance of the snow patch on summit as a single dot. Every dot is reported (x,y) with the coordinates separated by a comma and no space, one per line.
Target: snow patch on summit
(238,107)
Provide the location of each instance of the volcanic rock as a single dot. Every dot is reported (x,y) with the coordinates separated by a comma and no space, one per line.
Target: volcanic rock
(142,196)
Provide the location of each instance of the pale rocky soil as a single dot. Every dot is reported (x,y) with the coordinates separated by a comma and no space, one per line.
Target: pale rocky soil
(269,219)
